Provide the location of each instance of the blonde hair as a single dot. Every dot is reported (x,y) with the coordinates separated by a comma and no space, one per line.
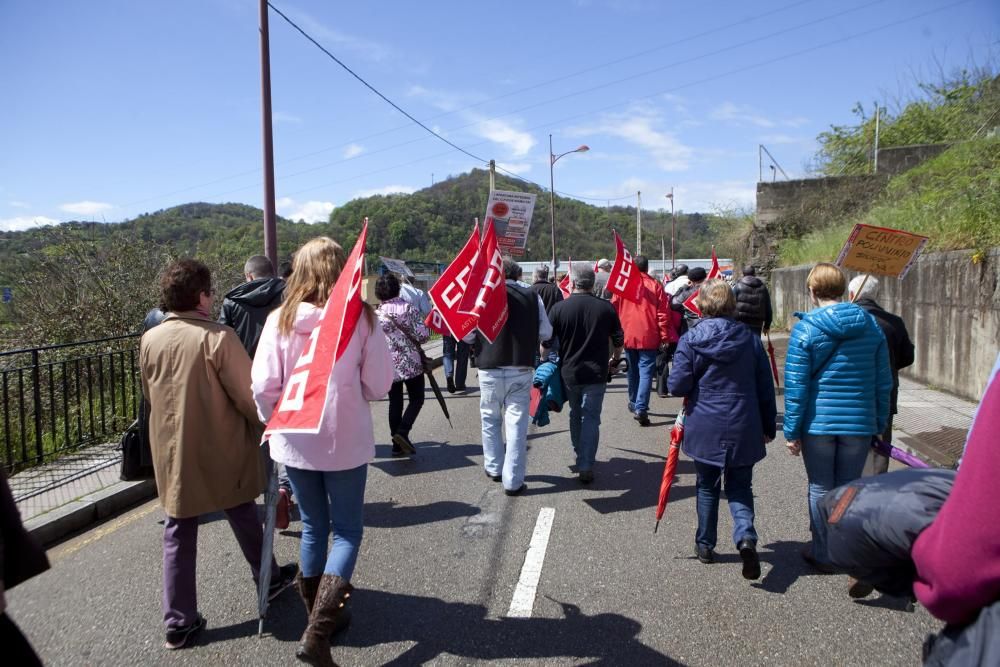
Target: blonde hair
(315,270)
(716,299)
(826,281)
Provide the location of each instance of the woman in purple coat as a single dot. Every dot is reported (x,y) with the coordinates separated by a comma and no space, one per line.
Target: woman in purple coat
(722,370)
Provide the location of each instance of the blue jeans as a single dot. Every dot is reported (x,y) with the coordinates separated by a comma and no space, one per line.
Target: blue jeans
(831,461)
(739,493)
(331,500)
(456,360)
(585,403)
(641,367)
(504,394)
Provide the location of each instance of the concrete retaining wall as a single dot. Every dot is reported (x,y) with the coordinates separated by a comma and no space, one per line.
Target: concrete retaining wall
(951,307)
(894,161)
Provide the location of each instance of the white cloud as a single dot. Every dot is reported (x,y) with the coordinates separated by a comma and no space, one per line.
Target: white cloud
(519,168)
(19,204)
(310,211)
(740,115)
(505,134)
(86,207)
(340,40)
(639,126)
(385,190)
(285,117)
(353,150)
(21,223)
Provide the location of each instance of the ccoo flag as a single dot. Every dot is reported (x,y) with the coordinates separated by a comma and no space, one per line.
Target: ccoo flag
(565,285)
(449,289)
(303,401)
(490,305)
(624,277)
(715,271)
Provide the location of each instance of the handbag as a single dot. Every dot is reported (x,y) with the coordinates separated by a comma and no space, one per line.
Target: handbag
(135,464)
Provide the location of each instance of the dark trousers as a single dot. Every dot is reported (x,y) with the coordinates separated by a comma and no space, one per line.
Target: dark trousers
(180,553)
(399,421)
(456,360)
(16,649)
(738,482)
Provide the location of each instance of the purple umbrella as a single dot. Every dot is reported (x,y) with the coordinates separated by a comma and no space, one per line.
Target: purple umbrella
(886,449)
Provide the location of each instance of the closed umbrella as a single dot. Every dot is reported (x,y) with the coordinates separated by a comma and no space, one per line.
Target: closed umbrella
(437,391)
(266,557)
(774,364)
(670,469)
(886,449)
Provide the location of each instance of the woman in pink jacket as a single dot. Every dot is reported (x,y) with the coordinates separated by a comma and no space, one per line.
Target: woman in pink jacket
(327,469)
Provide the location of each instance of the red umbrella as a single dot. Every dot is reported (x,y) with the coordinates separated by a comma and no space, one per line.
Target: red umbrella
(676,436)
(774,364)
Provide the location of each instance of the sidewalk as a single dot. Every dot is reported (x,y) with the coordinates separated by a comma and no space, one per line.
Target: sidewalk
(74,491)
(930,424)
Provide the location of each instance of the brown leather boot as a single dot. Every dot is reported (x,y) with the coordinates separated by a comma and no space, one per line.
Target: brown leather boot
(307,590)
(326,616)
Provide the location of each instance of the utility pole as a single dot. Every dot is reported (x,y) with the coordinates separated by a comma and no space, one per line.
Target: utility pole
(673,232)
(493,175)
(638,223)
(270,228)
(875,168)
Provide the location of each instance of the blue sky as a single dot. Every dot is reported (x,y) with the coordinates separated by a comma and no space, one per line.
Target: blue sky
(115,108)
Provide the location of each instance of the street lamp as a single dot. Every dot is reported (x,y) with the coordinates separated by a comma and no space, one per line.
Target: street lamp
(552,194)
(673,230)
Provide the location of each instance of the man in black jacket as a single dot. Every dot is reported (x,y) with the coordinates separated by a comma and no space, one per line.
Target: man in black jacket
(753,302)
(548,292)
(585,325)
(864,292)
(247,306)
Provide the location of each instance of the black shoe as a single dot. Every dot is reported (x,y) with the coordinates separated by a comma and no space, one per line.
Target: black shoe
(642,418)
(704,554)
(586,476)
(822,568)
(396,451)
(751,562)
(495,478)
(286,577)
(517,491)
(858,589)
(403,442)
(182,636)
(451,385)
(462,388)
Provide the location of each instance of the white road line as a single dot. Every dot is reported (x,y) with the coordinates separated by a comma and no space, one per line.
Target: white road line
(524,595)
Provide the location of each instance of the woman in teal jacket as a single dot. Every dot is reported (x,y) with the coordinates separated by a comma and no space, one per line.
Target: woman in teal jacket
(837,387)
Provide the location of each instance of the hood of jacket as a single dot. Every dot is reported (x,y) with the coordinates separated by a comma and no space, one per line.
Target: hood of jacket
(306,318)
(752,281)
(841,321)
(258,293)
(720,339)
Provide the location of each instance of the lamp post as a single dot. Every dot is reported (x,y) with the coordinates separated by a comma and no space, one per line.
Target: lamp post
(673,231)
(552,194)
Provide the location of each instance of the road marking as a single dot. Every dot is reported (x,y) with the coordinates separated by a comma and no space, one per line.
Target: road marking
(524,594)
(104,531)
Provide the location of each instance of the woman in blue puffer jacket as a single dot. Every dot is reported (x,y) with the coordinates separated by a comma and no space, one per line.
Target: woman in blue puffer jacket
(837,387)
(721,369)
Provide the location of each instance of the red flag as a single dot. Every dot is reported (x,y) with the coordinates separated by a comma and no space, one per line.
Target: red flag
(715,271)
(624,278)
(435,323)
(303,402)
(691,305)
(490,305)
(565,284)
(449,289)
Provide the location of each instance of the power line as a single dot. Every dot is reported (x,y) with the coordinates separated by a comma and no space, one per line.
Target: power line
(738,70)
(371,87)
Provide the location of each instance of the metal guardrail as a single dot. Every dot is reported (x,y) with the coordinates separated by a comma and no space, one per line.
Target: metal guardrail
(58,400)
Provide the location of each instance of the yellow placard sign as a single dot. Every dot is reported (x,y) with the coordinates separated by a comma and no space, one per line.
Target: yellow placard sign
(881,251)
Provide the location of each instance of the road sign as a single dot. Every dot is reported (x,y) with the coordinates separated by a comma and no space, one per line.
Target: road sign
(881,251)
(511,214)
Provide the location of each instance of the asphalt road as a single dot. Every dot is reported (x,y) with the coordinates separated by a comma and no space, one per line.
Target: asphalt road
(443,553)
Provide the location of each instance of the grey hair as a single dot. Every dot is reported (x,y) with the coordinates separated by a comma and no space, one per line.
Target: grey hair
(511,269)
(869,290)
(259,266)
(582,276)
(541,272)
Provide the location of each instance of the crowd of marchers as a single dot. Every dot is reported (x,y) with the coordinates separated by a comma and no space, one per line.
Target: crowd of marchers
(209,386)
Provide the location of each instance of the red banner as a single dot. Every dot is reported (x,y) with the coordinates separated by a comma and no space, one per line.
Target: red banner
(624,278)
(565,285)
(450,288)
(715,271)
(490,304)
(435,323)
(303,401)
(691,305)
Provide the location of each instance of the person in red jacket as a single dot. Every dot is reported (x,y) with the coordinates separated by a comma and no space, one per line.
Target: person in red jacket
(648,329)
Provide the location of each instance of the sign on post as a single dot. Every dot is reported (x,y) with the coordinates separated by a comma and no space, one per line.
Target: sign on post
(881,251)
(511,214)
